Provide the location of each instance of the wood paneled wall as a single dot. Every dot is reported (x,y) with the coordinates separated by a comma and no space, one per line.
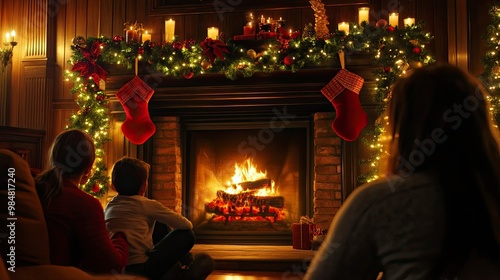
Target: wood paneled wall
(39,98)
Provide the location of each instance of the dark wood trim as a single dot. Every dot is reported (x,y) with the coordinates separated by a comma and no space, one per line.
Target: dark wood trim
(20,139)
(184,7)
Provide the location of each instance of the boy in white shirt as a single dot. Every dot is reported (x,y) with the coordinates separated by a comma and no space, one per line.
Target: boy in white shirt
(135,215)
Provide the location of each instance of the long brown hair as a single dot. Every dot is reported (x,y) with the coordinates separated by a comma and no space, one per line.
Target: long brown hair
(72,154)
(439,122)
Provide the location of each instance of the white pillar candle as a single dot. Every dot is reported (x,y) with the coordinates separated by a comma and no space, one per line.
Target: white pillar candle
(409,21)
(394,19)
(146,37)
(169,30)
(213,33)
(363,14)
(344,26)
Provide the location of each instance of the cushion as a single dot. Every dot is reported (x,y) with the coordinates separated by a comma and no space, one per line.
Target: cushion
(27,223)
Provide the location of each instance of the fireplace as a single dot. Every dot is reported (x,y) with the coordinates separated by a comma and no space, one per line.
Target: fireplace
(280,121)
(192,163)
(246,177)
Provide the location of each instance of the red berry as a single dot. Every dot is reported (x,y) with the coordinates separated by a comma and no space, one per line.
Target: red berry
(417,50)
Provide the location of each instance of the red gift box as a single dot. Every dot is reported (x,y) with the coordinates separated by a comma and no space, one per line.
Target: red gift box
(302,235)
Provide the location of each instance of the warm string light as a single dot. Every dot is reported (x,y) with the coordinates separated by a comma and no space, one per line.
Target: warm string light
(302,51)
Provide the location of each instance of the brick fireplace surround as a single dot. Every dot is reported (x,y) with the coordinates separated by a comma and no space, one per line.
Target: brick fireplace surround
(334,163)
(166,171)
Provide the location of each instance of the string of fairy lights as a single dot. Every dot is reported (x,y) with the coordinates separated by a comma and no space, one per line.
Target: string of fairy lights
(491,62)
(396,51)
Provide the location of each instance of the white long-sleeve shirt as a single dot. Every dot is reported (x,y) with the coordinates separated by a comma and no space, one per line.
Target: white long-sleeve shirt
(136,216)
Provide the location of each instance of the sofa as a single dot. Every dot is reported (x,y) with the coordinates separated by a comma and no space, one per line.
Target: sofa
(24,243)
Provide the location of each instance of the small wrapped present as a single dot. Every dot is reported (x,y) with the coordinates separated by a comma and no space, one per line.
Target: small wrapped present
(302,233)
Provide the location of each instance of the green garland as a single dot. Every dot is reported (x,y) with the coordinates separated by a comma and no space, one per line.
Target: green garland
(491,62)
(5,56)
(396,51)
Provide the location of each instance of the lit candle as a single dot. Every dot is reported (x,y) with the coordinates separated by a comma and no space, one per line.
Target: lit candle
(13,34)
(363,13)
(394,19)
(344,26)
(262,20)
(248,29)
(146,37)
(130,35)
(213,33)
(8,36)
(169,30)
(409,21)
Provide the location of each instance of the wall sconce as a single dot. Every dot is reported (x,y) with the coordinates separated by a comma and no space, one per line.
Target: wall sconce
(6,53)
(10,39)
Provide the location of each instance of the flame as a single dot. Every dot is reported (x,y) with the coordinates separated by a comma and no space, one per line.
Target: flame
(247,172)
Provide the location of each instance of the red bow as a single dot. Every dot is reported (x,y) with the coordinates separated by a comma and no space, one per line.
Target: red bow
(88,66)
(213,48)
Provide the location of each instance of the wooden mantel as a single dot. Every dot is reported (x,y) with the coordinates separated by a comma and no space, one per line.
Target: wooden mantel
(208,94)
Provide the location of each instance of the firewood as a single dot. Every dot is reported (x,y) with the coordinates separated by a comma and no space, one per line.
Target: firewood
(252,185)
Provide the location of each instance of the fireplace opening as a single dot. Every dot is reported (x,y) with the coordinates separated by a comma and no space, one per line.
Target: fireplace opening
(246,182)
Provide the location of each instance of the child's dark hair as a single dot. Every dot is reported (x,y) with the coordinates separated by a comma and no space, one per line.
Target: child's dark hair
(128,175)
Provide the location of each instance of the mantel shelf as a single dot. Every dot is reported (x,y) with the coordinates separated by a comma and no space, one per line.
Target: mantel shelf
(211,93)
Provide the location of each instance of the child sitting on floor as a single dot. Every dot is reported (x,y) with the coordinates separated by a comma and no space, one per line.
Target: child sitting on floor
(135,215)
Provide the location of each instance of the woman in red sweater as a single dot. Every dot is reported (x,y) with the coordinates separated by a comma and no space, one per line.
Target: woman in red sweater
(75,220)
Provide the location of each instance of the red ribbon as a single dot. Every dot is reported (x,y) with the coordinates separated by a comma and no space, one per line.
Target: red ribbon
(88,66)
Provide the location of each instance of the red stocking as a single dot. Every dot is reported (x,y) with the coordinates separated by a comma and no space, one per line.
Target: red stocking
(342,91)
(134,97)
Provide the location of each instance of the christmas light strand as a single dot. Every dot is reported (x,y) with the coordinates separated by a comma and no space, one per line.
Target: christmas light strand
(396,50)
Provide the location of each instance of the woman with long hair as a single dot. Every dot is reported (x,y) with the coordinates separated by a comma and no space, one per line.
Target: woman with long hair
(75,220)
(435,213)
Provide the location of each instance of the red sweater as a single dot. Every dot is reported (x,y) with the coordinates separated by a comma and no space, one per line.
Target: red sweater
(78,235)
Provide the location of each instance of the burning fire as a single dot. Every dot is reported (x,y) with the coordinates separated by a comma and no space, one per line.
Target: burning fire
(250,195)
(247,172)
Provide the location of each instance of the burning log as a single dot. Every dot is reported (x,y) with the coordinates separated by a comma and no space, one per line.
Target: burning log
(253,185)
(249,199)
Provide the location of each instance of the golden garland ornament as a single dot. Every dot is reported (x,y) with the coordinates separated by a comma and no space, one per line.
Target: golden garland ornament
(320,18)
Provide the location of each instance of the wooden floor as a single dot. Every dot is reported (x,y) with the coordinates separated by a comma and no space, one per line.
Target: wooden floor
(251,262)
